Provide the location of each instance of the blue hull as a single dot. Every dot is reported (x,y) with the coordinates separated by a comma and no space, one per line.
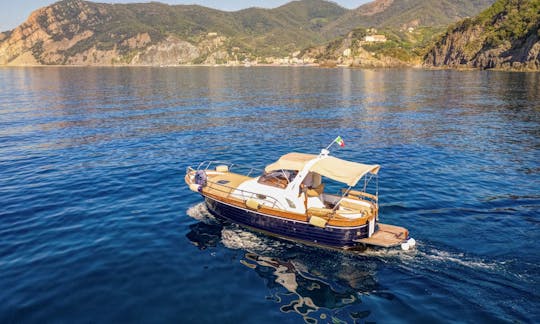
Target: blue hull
(336,237)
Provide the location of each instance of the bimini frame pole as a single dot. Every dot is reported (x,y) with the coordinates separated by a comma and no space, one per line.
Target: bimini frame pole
(334,141)
(340,199)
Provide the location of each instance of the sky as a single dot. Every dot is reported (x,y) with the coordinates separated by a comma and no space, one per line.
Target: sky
(15,12)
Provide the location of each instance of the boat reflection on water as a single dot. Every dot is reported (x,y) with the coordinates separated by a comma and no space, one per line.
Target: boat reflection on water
(320,285)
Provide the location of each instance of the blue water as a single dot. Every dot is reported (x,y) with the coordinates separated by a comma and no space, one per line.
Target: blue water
(96,224)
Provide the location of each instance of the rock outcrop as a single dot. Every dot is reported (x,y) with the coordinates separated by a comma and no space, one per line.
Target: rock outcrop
(48,34)
(505,36)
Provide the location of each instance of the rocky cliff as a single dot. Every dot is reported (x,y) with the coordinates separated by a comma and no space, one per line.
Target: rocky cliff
(77,32)
(505,36)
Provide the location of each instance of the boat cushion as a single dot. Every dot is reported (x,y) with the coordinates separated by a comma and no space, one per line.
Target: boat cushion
(320,212)
(315,191)
(356,205)
(315,202)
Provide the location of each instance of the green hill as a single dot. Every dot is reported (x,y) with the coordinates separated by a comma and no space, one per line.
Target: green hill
(401,14)
(505,36)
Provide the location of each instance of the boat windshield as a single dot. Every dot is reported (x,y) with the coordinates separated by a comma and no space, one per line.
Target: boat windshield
(278,178)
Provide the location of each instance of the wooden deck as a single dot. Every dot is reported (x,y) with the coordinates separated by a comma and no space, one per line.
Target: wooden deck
(387,236)
(230,181)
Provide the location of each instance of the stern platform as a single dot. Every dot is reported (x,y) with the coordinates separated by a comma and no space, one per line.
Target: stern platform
(386,236)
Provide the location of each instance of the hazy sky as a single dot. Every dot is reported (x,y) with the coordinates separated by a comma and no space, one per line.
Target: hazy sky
(15,12)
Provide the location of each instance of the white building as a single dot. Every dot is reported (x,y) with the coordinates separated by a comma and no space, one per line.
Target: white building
(375,38)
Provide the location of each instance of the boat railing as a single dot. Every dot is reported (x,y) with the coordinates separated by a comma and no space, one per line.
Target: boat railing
(232,167)
(361,195)
(232,191)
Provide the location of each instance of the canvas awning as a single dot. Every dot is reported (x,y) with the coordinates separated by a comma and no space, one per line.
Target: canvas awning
(331,167)
(291,161)
(343,171)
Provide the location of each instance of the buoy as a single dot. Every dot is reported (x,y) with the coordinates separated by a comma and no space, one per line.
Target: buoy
(412,242)
(405,246)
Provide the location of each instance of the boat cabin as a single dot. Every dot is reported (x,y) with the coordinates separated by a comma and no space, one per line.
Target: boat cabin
(295,181)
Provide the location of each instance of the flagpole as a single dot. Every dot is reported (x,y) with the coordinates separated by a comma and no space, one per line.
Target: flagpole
(328,147)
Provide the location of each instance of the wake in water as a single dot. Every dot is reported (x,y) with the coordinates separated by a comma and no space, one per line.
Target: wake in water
(435,255)
(423,253)
(310,281)
(236,238)
(201,213)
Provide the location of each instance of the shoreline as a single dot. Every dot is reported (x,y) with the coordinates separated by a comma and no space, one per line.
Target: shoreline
(415,67)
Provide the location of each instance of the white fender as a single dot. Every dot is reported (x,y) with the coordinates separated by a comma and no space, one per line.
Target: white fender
(222,168)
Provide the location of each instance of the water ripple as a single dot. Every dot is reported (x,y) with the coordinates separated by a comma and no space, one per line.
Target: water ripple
(96,222)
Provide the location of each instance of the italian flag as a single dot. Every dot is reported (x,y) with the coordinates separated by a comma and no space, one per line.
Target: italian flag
(340,141)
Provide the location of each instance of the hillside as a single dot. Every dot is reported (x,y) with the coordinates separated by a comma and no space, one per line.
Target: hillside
(87,33)
(409,26)
(400,48)
(505,36)
(82,32)
(285,29)
(401,14)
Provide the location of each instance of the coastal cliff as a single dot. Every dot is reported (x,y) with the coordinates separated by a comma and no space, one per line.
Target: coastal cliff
(77,32)
(505,36)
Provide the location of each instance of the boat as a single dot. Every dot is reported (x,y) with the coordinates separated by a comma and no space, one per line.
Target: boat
(288,200)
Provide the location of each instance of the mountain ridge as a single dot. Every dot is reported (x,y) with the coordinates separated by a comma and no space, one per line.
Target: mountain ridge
(87,33)
(401,14)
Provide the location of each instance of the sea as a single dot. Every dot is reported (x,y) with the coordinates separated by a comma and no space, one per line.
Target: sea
(98,226)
